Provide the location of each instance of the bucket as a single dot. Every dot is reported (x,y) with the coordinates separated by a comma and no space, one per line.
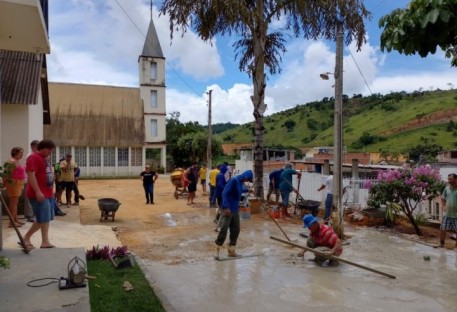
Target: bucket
(245,213)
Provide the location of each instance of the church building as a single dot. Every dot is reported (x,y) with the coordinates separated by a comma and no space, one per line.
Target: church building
(110,130)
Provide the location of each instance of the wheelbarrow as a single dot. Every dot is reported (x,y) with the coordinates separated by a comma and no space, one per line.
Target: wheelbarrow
(108,208)
(177,179)
(311,206)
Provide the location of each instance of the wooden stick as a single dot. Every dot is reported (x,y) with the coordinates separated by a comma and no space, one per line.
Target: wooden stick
(25,247)
(331,257)
(276,222)
(268,213)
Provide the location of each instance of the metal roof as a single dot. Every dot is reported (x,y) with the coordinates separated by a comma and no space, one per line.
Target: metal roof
(93,115)
(152,46)
(19,77)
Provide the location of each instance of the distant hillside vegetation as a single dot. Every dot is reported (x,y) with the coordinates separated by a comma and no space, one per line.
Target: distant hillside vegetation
(221,127)
(394,122)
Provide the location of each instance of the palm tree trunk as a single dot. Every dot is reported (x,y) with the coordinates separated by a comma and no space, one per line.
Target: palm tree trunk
(258,101)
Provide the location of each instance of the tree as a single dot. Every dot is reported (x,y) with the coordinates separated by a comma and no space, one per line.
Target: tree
(405,188)
(176,130)
(427,152)
(422,27)
(258,48)
(290,124)
(194,146)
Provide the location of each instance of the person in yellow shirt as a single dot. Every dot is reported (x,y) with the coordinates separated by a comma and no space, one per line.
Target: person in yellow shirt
(202,174)
(212,186)
(67,177)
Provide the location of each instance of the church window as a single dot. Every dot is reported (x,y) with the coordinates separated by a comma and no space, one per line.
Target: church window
(137,157)
(153,71)
(94,157)
(80,156)
(122,157)
(109,159)
(153,99)
(154,128)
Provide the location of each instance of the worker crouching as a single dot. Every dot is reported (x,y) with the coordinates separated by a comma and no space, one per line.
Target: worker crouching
(322,238)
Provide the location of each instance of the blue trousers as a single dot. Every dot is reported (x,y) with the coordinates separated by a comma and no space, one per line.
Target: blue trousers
(149,192)
(328,206)
(212,195)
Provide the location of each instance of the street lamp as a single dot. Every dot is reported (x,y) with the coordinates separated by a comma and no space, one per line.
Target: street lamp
(338,130)
(324,76)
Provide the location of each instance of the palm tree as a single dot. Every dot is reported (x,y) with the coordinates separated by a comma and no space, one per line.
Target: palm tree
(258,48)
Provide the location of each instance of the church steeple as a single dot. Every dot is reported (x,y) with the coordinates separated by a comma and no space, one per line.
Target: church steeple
(151,65)
(152,46)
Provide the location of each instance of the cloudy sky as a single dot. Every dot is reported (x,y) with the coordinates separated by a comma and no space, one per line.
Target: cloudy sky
(99,41)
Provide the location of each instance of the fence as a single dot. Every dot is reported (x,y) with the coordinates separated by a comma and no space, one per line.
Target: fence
(356,192)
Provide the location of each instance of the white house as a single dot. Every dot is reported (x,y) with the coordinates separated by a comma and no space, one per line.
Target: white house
(23,75)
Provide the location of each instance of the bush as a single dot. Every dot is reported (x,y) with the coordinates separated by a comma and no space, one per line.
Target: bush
(104,253)
(406,187)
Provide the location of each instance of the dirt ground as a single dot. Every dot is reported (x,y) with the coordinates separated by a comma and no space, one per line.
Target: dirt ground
(170,231)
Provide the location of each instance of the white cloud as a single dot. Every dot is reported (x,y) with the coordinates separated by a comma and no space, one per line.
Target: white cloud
(102,36)
(95,42)
(232,105)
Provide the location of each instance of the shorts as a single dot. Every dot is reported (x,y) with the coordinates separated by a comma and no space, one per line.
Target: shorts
(14,187)
(44,211)
(449,224)
(203,181)
(68,186)
(273,190)
(192,187)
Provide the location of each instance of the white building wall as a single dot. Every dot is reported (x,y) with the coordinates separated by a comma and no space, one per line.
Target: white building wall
(14,128)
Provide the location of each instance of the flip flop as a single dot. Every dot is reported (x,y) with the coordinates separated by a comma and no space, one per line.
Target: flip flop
(29,246)
(52,246)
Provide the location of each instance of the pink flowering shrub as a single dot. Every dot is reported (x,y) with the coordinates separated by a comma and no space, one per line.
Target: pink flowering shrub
(406,186)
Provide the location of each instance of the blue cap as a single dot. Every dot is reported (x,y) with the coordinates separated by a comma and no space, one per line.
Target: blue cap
(308,220)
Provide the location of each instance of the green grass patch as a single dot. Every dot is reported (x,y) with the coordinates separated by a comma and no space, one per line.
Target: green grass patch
(107,292)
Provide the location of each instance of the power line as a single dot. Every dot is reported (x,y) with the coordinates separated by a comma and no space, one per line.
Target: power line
(149,43)
(360,71)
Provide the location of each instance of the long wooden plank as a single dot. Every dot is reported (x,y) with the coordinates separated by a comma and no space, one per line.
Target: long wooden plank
(235,258)
(326,255)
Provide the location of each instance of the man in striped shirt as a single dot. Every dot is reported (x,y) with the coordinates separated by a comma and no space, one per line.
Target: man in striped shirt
(322,238)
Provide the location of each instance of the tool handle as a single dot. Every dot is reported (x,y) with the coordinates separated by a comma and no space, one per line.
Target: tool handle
(331,257)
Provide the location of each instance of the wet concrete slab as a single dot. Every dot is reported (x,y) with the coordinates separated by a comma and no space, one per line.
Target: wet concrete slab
(280,281)
(41,268)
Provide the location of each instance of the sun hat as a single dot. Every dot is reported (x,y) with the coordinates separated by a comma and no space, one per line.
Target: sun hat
(308,220)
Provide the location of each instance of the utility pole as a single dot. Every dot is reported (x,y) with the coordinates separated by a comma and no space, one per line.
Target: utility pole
(209,155)
(338,132)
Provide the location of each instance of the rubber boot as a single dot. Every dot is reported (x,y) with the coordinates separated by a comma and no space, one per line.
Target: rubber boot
(218,250)
(232,251)
(285,214)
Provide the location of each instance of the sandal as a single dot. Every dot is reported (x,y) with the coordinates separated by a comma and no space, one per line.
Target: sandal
(12,225)
(28,245)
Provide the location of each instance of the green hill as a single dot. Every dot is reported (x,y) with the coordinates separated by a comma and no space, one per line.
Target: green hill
(394,122)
